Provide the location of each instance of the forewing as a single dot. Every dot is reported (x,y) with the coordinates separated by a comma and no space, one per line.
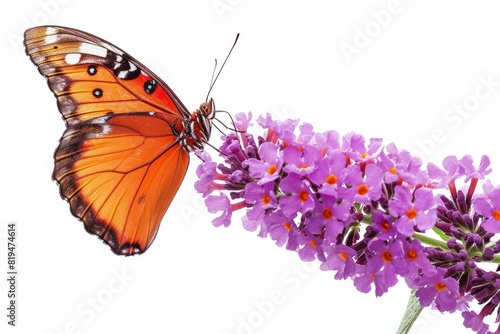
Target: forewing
(91,77)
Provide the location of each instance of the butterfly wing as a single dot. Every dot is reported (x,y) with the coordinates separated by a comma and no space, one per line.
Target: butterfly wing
(91,77)
(120,173)
(121,159)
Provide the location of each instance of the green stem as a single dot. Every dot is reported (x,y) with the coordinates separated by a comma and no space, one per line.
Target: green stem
(413,310)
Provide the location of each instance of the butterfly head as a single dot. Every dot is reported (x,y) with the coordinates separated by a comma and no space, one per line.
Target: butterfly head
(207,109)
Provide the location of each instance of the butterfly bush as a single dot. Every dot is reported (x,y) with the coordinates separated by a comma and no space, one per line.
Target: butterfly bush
(367,212)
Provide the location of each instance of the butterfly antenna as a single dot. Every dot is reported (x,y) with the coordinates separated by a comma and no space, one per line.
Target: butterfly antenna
(213,80)
(218,129)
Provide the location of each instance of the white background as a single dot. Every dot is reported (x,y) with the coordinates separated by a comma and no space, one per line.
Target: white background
(412,68)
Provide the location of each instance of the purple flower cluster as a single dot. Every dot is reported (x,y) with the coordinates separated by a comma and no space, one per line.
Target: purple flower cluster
(362,211)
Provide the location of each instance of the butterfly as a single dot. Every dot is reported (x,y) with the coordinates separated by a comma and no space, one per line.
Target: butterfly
(125,150)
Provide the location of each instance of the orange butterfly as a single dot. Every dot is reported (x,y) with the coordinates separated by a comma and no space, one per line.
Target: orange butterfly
(125,150)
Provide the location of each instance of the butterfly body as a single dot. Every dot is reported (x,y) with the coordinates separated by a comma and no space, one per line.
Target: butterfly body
(126,146)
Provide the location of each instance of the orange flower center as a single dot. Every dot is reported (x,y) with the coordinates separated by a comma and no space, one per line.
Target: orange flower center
(387,256)
(440,286)
(266,199)
(327,213)
(363,189)
(343,256)
(331,179)
(393,170)
(412,255)
(496,214)
(364,155)
(288,226)
(313,243)
(303,196)
(412,213)
(303,166)
(272,169)
(385,226)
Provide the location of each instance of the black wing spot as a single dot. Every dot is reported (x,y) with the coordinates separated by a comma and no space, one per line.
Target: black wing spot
(97,93)
(150,86)
(92,70)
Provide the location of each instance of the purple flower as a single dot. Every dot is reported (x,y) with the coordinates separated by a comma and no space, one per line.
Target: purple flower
(409,213)
(232,147)
(475,322)
(354,147)
(471,172)
(363,187)
(327,142)
(300,161)
(283,131)
(489,207)
(399,165)
(298,196)
(260,198)
(281,229)
(310,247)
(383,224)
(365,279)
(268,167)
(206,173)
(382,259)
(220,203)
(242,121)
(330,216)
(341,259)
(267,122)
(451,172)
(305,135)
(414,262)
(327,175)
(254,224)
(437,289)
